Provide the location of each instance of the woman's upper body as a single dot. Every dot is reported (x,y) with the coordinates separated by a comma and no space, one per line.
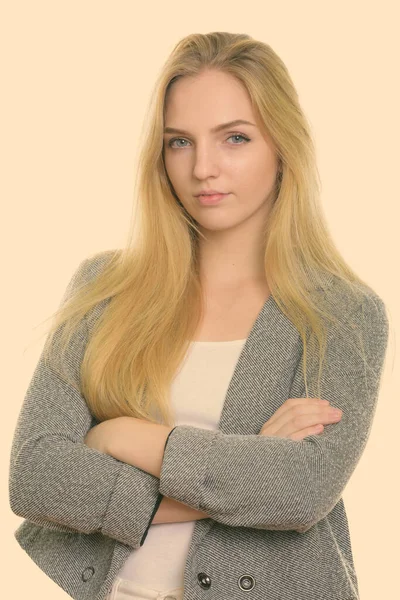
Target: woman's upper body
(277,526)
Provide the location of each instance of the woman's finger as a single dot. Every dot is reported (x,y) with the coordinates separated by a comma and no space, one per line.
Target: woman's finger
(293,402)
(297,418)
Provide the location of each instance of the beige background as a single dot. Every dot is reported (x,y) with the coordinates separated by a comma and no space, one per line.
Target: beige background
(76,79)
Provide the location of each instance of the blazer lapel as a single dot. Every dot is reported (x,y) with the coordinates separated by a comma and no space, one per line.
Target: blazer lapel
(263,372)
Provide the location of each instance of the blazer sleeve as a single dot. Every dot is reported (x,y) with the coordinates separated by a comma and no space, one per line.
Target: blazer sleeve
(266,482)
(58,482)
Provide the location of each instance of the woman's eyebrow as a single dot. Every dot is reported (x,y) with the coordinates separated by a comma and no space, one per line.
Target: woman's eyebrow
(214,129)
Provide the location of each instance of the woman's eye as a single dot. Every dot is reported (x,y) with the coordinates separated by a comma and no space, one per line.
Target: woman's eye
(235,135)
(239,135)
(175,140)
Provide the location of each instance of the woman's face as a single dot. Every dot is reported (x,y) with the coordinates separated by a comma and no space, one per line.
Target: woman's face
(238,160)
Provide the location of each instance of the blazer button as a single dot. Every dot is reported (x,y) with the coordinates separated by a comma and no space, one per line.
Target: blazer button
(204,580)
(87,573)
(246,582)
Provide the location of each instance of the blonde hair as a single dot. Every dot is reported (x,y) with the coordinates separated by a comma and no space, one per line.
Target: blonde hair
(149,291)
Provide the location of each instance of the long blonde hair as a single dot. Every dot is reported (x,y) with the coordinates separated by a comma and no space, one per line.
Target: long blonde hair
(150,291)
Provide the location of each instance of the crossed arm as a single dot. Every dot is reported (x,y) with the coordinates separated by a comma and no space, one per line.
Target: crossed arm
(141,444)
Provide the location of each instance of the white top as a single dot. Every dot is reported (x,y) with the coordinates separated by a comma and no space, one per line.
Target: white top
(197,396)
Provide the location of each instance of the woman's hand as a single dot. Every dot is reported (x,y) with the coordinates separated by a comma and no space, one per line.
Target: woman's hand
(299,417)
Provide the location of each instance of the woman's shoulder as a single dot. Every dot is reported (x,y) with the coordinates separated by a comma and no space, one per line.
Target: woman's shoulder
(92,265)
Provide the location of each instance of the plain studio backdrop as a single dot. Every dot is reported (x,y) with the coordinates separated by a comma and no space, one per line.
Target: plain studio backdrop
(76,79)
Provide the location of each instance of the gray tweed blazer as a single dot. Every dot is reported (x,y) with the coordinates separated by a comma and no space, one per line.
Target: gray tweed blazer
(277,528)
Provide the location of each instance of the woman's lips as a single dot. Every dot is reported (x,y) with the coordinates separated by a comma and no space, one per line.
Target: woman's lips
(211,199)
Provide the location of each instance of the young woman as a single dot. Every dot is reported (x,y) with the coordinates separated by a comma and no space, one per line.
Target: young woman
(177,439)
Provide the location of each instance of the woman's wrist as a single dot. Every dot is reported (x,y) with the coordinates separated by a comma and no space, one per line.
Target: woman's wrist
(172,511)
(138,443)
